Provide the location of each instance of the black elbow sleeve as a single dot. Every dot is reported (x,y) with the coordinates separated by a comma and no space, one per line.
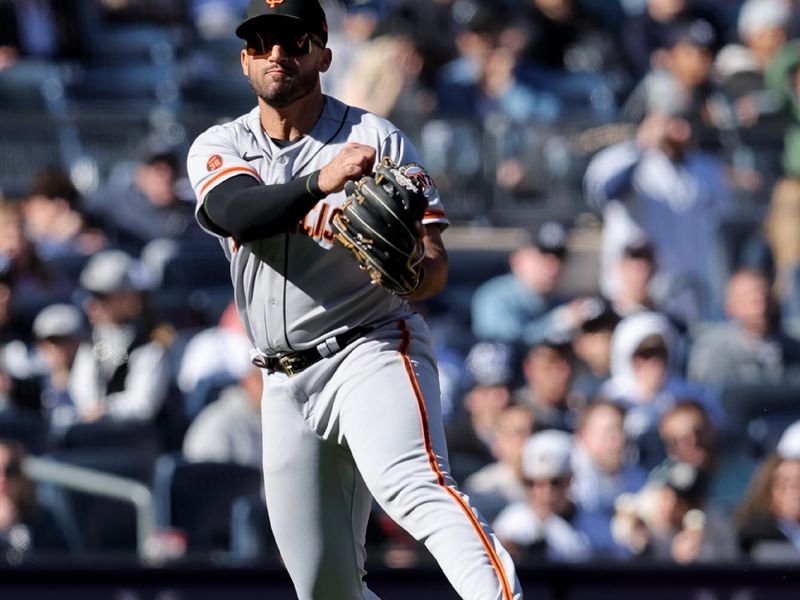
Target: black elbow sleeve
(248,210)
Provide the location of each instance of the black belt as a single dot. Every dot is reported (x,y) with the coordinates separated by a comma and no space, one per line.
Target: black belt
(292,363)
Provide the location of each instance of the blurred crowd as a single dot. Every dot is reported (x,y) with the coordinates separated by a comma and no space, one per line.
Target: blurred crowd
(648,420)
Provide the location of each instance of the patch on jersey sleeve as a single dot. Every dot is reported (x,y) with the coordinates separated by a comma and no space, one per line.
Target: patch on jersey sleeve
(214,162)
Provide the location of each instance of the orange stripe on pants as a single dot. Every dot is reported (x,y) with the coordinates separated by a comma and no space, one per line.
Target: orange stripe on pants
(434,464)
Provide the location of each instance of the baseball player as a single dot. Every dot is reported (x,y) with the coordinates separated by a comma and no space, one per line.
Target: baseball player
(351,408)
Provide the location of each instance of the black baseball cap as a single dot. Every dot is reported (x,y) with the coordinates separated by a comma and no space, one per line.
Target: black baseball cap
(551,238)
(268,13)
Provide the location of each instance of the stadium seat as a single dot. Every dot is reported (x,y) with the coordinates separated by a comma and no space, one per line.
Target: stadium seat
(140,439)
(760,413)
(205,392)
(95,524)
(251,539)
(197,498)
(25,427)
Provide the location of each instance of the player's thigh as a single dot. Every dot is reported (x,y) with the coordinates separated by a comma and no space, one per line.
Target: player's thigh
(317,502)
(391,418)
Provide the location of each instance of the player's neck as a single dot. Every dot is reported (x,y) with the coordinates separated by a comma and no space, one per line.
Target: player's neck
(295,120)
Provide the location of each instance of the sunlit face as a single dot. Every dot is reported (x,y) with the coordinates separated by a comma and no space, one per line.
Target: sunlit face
(549,373)
(514,426)
(603,437)
(9,475)
(691,64)
(284,67)
(549,496)
(687,437)
(786,491)
(748,301)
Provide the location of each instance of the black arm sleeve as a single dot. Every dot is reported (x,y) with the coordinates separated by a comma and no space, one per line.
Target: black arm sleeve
(247,210)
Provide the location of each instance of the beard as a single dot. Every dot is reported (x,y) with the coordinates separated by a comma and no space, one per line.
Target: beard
(280,94)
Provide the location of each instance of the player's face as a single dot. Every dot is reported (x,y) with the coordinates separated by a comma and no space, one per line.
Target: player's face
(284,66)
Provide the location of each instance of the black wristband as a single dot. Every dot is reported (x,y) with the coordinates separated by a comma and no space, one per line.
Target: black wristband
(312,186)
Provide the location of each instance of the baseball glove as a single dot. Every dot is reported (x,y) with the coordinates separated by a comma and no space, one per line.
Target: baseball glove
(379,222)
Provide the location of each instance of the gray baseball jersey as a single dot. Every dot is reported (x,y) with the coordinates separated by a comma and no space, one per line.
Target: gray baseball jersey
(364,422)
(294,291)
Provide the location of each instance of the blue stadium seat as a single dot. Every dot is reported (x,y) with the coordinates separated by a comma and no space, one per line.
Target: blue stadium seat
(197,498)
(25,427)
(760,413)
(224,96)
(251,538)
(106,436)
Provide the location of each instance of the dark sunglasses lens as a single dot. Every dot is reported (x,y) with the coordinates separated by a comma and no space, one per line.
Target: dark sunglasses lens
(12,470)
(293,44)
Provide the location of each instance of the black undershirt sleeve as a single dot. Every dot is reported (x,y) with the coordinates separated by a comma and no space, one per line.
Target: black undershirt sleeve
(245,209)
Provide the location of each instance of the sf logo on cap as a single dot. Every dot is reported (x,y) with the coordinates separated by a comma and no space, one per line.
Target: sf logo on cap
(274,3)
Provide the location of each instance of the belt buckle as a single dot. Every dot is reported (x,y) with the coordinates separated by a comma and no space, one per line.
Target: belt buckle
(287,362)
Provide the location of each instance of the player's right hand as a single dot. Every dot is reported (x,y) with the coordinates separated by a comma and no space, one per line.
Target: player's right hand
(353,162)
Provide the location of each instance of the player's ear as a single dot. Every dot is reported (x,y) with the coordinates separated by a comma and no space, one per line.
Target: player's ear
(245,64)
(325,61)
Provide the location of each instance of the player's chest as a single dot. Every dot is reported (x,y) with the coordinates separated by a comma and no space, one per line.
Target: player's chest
(282,167)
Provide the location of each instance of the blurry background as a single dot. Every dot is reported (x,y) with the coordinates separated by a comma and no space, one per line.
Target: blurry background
(623,183)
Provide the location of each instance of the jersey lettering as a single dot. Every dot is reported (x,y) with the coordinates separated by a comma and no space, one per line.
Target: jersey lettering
(318,224)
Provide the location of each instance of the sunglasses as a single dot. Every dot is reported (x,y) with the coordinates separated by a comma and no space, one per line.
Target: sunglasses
(292,43)
(552,482)
(11,470)
(650,353)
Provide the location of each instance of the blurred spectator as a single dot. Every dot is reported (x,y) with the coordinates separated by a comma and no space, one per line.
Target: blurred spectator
(602,472)
(38,30)
(229,429)
(471,432)
(756,121)
(548,369)
(674,193)
(498,92)
(783,78)
(141,11)
(546,525)
(644,378)
(11,328)
(122,373)
(782,233)
(751,345)
(769,520)
(637,287)
(524,305)
(482,80)
(498,484)
(26,528)
(762,32)
(219,354)
(682,85)
(668,520)
(431,24)
(150,206)
(394,93)
(215,19)
(34,284)
(59,329)
(350,30)
(53,220)
(689,437)
(789,443)
(645,35)
(560,36)
(591,343)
